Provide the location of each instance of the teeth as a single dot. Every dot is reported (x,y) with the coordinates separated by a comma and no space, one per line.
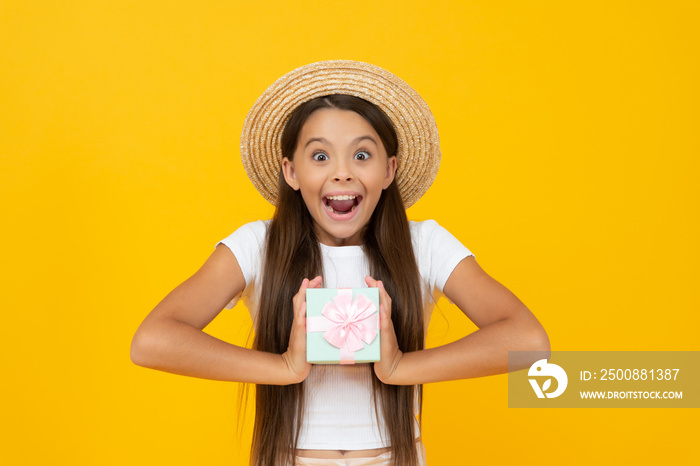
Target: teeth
(342,197)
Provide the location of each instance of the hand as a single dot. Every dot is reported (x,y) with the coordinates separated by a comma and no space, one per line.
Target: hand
(390,353)
(295,356)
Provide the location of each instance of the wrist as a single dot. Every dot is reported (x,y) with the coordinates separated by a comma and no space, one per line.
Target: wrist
(291,376)
(392,375)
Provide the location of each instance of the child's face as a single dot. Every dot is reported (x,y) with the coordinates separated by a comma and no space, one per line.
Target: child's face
(341,167)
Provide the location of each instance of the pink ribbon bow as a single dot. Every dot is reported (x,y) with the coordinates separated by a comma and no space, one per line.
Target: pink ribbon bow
(346,323)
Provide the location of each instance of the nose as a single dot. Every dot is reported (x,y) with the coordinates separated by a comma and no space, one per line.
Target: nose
(342,171)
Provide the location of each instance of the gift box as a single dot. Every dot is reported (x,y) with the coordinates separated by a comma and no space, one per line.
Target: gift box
(342,325)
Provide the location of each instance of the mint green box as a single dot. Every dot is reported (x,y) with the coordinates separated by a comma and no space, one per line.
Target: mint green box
(342,325)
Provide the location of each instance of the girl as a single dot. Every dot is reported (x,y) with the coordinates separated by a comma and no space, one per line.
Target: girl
(342,149)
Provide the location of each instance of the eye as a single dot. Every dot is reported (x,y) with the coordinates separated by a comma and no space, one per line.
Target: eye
(319,156)
(362,155)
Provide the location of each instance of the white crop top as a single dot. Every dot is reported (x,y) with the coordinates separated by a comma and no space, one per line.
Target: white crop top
(339,413)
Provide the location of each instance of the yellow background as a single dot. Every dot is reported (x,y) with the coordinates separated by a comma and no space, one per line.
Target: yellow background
(570,167)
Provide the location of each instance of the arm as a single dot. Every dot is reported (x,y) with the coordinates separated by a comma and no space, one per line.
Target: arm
(505,324)
(171,339)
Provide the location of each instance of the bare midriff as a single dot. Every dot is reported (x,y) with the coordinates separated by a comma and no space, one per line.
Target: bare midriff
(336,454)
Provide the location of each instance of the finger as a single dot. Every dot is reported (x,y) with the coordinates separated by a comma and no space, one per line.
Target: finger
(316,282)
(302,288)
(301,314)
(300,297)
(382,292)
(306,283)
(383,295)
(384,299)
(383,318)
(371,282)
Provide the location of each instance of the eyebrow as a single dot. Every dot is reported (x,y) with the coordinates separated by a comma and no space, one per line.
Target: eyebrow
(353,142)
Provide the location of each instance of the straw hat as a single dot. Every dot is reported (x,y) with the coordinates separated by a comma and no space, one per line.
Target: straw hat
(419,147)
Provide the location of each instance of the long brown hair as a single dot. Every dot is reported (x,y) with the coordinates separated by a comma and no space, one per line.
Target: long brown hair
(292,254)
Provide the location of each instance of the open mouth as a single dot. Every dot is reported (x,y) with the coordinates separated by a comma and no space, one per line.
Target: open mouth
(342,204)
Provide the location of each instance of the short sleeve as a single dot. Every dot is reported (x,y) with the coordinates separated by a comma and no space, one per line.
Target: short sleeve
(247,244)
(437,251)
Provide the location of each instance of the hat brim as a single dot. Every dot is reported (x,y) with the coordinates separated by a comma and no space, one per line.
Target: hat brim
(418,142)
